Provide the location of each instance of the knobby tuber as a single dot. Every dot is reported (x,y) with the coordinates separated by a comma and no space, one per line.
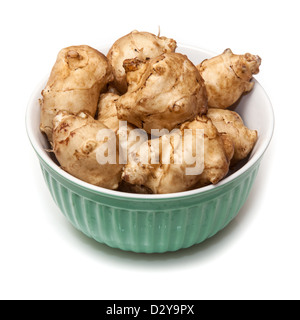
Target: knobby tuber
(228,76)
(169,178)
(75,144)
(163,92)
(75,83)
(141,45)
(107,114)
(107,111)
(231,124)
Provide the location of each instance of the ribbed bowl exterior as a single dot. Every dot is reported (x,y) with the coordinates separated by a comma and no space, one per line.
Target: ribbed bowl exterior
(149,226)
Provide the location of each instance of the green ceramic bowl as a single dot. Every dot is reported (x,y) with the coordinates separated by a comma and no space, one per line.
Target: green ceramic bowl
(155,223)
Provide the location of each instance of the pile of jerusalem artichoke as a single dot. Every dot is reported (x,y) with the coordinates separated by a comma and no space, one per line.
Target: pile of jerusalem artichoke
(100,113)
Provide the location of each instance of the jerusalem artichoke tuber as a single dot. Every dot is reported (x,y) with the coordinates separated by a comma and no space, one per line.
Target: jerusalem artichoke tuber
(75,83)
(228,76)
(107,111)
(76,142)
(231,124)
(141,45)
(169,178)
(163,92)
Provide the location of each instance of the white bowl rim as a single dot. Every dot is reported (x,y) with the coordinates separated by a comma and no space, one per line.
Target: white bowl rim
(119,194)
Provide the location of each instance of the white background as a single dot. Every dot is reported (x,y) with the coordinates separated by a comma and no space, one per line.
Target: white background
(43,257)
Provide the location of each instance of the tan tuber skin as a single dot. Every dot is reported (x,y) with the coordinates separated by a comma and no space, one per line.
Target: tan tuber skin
(75,83)
(107,114)
(231,124)
(163,92)
(75,146)
(141,45)
(107,111)
(227,77)
(169,178)
(218,152)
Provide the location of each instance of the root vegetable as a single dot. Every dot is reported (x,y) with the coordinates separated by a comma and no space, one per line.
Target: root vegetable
(75,144)
(75,83)
(218,151)
(141,45)
(107,111)
(230,123)
(169,178)
(107,114)
(163,92)
(228,76)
